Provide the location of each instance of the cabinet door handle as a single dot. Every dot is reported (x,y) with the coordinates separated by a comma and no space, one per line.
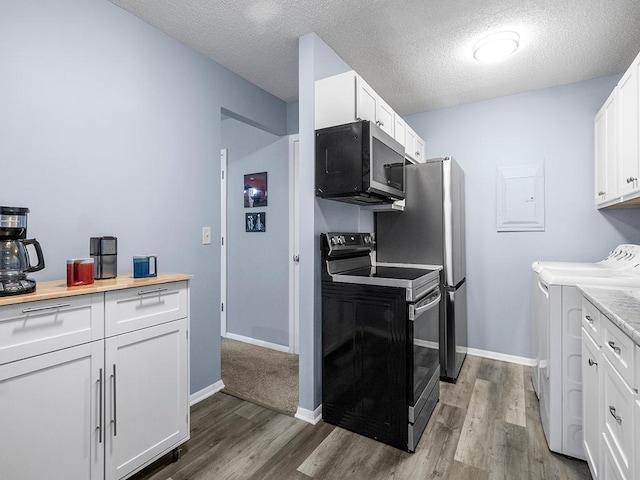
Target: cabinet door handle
(380,123)
(588,318)
(147,292)
(612,411)
(592,363)
(417,154)
(115,410)
(614,347)
(100,409)
(50,307)
(600,194)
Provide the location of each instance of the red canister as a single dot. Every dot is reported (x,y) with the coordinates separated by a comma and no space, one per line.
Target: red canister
(79,272)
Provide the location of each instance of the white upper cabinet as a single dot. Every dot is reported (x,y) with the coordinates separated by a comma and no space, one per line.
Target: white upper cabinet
(366,102)
(347,98)
(617,143)
(413,146)
(628,130)
(399,128)
(606,148)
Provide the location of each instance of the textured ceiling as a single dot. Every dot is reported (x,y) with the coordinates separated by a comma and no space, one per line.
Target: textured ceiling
(415,53)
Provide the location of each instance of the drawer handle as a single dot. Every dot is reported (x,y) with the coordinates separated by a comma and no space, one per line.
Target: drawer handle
(588,318)
(612,411)
(50,307)
(614,347)
(592,363)
(157,290)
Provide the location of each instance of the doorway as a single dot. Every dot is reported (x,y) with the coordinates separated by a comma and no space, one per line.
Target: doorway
(258,271)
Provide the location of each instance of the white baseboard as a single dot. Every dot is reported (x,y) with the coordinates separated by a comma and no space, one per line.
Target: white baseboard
(205,393)
(259,343)
(309,416)
(503,357)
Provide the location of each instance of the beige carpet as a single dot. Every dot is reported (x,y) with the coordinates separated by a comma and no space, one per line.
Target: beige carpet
(260,375)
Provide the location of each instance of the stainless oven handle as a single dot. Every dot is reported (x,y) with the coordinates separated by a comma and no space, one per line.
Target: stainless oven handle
(416,310)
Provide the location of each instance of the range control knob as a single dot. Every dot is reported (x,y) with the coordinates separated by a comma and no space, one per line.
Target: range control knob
(367,240)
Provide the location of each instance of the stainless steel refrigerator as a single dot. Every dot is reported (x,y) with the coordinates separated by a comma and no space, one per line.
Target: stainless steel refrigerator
(431,231)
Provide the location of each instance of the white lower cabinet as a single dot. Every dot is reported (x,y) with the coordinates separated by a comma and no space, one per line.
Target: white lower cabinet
(612,470)
(636,429)
(50,415)
(591,367)
(99,409)
(617,421)
(611,404)
(146,411)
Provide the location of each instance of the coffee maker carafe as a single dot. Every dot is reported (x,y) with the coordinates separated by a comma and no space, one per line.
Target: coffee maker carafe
(14,257)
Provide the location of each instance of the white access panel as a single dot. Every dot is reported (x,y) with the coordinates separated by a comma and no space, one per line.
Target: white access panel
(520,199)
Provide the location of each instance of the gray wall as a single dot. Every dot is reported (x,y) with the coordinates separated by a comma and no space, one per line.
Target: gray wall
(554,126)
(257,263)
(110,127)
(316,60)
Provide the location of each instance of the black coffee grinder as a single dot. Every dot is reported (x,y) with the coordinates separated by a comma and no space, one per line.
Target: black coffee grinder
(14,257)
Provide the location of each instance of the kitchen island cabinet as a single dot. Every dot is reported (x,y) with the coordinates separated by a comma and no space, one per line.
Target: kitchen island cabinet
(49,412)
(94,380)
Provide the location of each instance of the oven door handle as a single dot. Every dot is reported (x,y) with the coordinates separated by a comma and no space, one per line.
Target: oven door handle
(422,306)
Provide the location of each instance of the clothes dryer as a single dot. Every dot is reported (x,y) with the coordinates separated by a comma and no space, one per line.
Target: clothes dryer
(557,315)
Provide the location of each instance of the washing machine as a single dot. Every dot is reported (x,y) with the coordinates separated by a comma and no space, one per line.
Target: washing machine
(557,316)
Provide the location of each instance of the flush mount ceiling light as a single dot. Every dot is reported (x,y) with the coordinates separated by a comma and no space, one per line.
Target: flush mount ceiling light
(496,46)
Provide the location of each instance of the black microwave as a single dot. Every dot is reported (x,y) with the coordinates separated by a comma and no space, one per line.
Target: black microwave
(359,163)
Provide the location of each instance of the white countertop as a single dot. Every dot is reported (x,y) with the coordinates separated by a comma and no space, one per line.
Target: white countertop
(620,305)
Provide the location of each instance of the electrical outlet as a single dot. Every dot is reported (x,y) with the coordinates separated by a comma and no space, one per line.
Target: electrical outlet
(206,235)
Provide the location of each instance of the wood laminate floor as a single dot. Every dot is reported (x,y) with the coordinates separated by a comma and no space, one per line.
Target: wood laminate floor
(486,426)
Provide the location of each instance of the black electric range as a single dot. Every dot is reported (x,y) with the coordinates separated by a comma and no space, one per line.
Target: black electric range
(380,345)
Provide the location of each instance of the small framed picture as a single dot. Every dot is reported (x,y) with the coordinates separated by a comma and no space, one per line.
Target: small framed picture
(255,222)
(255,190)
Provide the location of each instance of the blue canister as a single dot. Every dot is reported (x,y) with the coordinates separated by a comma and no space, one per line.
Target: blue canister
(145,266)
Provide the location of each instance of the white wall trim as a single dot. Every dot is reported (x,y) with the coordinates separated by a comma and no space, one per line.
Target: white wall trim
(294,311)
(223,244)
(259,343)
(503,357)
(312,417)
(206,392)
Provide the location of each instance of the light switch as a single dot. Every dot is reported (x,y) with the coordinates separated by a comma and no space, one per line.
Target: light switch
(206,235)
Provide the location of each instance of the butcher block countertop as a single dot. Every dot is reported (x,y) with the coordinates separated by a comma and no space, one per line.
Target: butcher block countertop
(59,289)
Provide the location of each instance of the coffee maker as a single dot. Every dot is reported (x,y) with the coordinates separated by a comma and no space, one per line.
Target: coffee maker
(14,257)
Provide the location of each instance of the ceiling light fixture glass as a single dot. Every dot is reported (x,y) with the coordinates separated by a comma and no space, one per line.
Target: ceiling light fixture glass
(496,46)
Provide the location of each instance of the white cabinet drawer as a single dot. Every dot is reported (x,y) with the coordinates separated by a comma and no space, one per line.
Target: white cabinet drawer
(134,308)
(591,321)
(34,328)
(617,412)
(619,350)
